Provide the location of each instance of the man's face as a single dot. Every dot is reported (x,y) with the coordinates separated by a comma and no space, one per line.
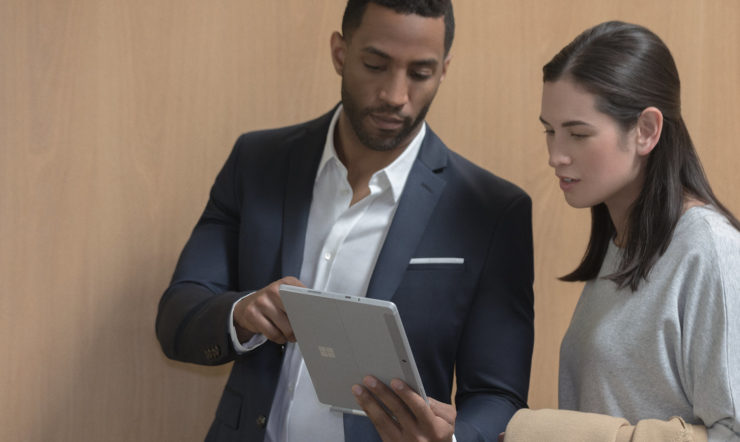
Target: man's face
(391,67)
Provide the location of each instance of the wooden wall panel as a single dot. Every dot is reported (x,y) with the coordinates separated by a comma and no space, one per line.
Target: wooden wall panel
(116,115)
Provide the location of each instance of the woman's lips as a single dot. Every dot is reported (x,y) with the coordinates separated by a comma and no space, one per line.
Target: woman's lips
(567,183)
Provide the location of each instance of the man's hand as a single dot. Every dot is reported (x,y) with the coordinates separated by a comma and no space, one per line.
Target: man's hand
(408,418)
(263,312)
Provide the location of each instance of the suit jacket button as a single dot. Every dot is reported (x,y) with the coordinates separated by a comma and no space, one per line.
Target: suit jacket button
(261,421)
(282,349)
(213,352)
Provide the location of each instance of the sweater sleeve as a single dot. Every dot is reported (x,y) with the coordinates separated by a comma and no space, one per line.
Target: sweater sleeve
(711,330)
(574,426)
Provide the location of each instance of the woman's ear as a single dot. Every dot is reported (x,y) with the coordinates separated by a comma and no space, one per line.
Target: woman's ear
(649,127)
(338,51)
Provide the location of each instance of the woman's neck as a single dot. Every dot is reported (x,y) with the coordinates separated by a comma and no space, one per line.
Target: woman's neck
(620,218)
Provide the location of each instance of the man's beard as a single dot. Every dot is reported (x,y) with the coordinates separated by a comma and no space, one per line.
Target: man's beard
(355,115)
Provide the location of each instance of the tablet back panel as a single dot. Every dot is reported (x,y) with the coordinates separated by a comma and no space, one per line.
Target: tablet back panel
(344,338)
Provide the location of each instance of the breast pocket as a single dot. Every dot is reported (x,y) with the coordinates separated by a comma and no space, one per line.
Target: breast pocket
(437,263)
(428,273)
(436,267)
(434,292)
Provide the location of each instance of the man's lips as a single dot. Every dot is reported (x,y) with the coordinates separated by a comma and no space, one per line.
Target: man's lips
(387,122)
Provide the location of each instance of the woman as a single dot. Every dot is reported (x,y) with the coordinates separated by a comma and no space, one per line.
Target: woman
(656,332)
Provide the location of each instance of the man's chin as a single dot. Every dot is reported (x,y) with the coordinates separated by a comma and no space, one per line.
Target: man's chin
(382,146)
(384,141)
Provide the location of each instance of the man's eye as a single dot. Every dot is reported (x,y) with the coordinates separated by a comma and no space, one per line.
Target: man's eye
(420,75)
(579,135)
(373,67)
(549,131)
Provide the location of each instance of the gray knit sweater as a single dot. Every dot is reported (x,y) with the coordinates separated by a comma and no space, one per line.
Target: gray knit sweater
(672,348)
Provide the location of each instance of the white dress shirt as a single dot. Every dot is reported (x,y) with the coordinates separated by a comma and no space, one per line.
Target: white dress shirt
(342,245)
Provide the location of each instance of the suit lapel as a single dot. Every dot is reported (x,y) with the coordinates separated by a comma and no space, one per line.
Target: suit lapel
(420,196)
(303,162)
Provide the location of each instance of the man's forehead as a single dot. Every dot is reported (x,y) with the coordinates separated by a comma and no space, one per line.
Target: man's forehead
(387,31)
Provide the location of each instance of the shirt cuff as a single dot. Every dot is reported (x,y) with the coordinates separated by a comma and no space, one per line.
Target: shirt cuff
(243,347)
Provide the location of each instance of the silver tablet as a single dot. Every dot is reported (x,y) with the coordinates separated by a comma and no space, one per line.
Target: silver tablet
(345,338)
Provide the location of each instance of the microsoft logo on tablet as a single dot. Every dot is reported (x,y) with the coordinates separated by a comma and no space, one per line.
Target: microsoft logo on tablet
(327,352)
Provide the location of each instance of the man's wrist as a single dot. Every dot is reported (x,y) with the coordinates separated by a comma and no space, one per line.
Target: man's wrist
(241,339)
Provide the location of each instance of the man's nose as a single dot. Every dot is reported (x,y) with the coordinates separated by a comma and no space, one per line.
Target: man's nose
(395,91)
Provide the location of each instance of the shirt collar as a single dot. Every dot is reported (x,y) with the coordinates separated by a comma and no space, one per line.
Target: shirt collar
(396,173)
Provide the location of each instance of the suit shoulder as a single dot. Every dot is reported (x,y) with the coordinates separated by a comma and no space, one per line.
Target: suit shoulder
(274,140)
(484,183)
(260,151)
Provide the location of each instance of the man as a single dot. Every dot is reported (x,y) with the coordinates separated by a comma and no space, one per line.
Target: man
(365,200)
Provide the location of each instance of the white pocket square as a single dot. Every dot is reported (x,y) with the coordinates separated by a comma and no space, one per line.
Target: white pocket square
(437,261)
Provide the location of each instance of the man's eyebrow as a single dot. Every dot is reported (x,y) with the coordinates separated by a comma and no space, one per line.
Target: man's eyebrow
(568,123)
(431,62)
(376,51)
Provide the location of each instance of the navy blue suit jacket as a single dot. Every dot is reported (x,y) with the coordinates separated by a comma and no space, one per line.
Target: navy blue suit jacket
(475,317)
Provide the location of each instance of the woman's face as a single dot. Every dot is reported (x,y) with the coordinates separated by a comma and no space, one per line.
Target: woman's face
(594,159)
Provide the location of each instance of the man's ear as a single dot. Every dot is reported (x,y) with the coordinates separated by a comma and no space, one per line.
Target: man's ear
(338,51)
(649,127)
(445,65)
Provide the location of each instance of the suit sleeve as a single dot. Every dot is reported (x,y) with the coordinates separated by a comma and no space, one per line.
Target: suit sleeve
(192,319)
(495,351)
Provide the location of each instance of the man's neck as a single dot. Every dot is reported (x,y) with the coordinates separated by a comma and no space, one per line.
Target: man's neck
(362,162)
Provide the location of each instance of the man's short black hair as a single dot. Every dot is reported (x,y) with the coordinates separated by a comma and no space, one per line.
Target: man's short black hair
(426,8)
